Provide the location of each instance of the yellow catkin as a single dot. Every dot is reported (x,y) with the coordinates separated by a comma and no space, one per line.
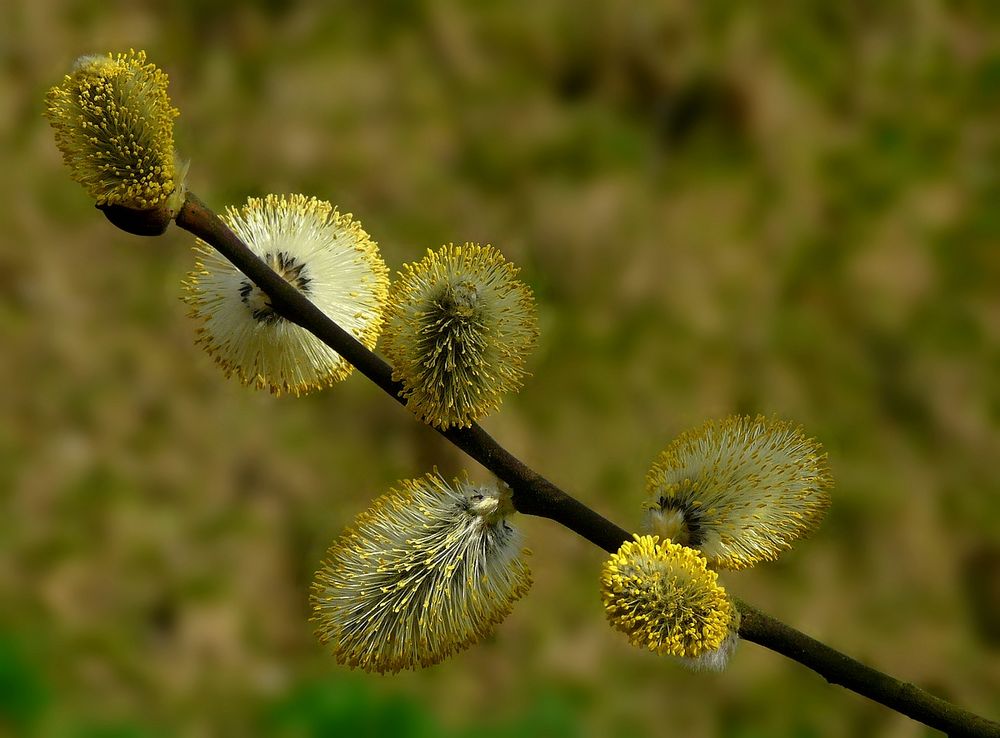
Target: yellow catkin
(459,329)
(326,255)
(664,598)
(428,570)
(114,124)
(740,490)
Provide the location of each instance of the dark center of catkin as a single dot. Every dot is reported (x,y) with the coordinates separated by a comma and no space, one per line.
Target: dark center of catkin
(453,336)
(257,302)
(461,300)
(690,529)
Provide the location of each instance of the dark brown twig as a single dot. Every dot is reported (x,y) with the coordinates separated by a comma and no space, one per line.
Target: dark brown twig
(535,495)
(838,668)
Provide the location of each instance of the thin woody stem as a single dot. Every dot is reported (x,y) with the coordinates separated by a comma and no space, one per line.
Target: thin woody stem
(838,668)
(532,494)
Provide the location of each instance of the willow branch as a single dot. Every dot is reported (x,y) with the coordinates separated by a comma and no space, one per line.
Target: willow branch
(838,668)
(533,494)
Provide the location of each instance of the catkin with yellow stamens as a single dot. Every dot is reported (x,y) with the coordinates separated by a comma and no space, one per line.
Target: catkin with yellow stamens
(460,327)
(428,570)
(113,124)
(664,598)
(324,254)
(740,490)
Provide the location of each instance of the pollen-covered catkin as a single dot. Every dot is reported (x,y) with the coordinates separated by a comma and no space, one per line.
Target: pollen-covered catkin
(459,329)
(321,252)
(428,570)
(114,124)
(740,490)
(664,598)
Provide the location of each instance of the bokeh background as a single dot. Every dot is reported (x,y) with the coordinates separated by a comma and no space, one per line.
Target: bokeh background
(789,209)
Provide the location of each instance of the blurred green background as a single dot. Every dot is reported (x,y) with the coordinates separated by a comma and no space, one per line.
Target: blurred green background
(791,209)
